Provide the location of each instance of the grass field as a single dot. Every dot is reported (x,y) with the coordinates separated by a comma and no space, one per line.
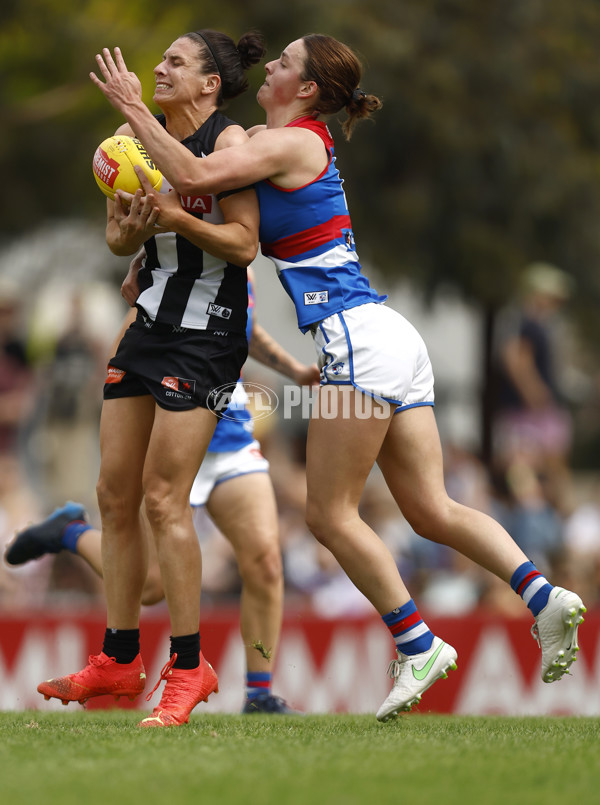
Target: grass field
(79,758)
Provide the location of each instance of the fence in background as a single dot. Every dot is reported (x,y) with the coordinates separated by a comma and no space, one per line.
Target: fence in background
(322,665)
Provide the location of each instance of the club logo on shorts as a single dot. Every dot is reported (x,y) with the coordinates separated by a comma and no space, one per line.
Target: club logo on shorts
(218,310)
(114,375)
(179,387)
(337,368)
(316,297)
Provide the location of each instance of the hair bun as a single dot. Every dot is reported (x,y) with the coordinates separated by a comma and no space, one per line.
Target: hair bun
(251,48)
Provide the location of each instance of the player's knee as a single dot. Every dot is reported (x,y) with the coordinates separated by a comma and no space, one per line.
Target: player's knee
(330,520)
(161,504)
(263,569)
(430,521)
(104,494)
(271,567)
(113,505)
(319,523)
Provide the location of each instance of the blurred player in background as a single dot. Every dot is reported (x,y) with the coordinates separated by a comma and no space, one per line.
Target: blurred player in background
(234,485)
(377,380)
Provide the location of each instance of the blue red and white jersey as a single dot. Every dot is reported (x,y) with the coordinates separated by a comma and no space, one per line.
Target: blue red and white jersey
(236,429)
(306,231)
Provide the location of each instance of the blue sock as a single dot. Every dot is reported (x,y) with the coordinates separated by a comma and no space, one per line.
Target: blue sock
(411,635)
(72,533)
(257,683)
(534,589)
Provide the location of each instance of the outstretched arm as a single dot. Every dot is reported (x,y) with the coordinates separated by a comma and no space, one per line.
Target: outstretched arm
(123,90)
(264,349)
(262,156)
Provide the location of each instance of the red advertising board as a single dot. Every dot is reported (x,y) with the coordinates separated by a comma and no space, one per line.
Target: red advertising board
(322,665)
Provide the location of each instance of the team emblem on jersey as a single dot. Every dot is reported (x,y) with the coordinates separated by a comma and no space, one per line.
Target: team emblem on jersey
(219,310)
(349,239)
(316,297)
(179,387)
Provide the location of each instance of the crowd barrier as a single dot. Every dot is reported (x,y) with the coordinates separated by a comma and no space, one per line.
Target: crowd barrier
(322,665)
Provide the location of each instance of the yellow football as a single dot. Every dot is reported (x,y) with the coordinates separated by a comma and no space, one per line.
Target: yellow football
(114,162)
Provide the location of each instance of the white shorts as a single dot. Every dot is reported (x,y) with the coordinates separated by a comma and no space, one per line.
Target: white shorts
(379,352)
(219,467)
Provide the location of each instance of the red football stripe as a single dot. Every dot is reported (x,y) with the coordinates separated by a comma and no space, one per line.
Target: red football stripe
(307,239)
(528,578)
(406,623)
(264,684)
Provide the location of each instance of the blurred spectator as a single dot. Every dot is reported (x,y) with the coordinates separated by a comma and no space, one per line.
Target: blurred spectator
(72,409)
(16,380)
(70,344)
(23,587)
(51,372)
(532,422)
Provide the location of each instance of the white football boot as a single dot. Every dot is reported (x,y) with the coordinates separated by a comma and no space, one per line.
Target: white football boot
(555,630)
(413,674)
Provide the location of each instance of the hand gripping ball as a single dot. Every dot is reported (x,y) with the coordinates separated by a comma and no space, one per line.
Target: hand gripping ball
(114,162)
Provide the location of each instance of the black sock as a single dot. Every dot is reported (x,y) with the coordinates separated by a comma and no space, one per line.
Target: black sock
(122,644)
(187,648)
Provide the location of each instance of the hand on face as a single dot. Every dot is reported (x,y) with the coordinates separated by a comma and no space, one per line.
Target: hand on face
(120,86)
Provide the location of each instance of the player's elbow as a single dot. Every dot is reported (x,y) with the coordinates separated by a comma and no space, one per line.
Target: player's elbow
(191,183)
(248,251)
(120,249)
(243,246)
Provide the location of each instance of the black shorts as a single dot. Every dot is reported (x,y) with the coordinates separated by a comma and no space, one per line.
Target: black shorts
(179,369)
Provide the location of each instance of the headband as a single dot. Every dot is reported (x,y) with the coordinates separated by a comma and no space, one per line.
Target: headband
(216,59)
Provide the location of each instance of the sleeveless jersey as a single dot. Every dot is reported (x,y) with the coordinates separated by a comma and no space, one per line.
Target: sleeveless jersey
(236,429)
(180,284)
(307,233)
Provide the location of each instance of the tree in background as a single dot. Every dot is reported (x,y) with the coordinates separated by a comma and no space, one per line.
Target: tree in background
(485,157)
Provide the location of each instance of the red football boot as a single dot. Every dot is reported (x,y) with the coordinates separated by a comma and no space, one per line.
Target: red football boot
(104,676)
(185,689)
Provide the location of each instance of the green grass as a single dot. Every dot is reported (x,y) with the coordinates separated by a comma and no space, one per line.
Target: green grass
(79,758)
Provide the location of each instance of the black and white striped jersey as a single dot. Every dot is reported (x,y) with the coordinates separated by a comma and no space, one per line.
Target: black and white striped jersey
(182,285)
